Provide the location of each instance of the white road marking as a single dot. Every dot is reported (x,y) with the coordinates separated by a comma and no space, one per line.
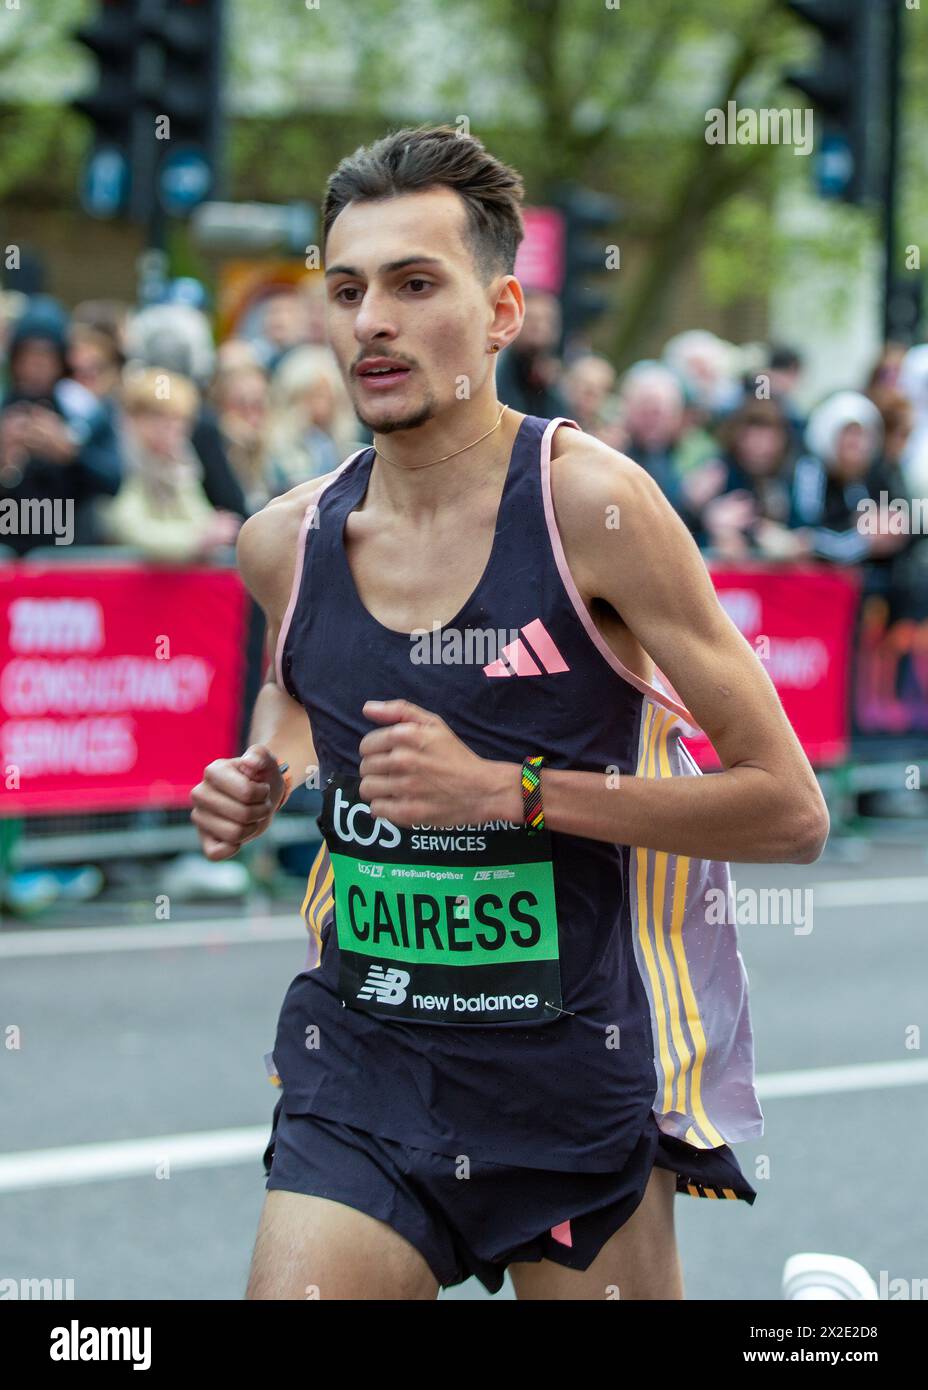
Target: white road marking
(129,1158)
(289,926)
(869,892)
(823,1081)
(161,936)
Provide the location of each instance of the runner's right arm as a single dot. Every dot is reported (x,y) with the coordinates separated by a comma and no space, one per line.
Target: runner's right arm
(278,722)
(237,799)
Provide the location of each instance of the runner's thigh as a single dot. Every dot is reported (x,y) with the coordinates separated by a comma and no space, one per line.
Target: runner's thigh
(639,1261)
(311,1247)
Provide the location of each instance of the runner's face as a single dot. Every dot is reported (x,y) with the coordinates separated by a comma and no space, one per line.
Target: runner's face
(431,314)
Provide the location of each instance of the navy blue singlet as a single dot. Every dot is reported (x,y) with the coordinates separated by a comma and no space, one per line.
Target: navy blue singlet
(570,1091)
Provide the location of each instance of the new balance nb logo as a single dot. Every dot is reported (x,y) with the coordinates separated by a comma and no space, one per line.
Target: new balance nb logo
(518,660)
(386,986)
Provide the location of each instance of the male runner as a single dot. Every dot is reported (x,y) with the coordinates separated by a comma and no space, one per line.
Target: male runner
(521,1029)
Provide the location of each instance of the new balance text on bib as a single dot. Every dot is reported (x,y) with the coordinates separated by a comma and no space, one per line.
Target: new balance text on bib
(441,924)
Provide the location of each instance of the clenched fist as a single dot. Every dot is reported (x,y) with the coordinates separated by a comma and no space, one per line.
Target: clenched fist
(236,800)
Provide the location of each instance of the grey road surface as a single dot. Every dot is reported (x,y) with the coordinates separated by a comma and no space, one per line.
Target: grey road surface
(114,1043)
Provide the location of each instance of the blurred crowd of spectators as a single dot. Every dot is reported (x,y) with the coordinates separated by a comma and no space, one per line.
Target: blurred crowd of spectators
(721,430)
(157,439)
(166,442)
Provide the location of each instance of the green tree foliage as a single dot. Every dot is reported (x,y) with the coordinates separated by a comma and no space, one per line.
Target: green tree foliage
(611,94)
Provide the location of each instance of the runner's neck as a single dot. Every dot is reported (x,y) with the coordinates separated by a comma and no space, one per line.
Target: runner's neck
(418,493)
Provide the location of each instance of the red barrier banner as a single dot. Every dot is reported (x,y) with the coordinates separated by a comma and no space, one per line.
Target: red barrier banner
(800,621)
(891,678)
(118,683)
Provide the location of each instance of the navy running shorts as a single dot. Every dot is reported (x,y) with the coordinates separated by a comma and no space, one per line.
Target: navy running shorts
(473,1226)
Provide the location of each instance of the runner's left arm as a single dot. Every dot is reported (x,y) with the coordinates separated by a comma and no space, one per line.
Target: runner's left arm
(765,806)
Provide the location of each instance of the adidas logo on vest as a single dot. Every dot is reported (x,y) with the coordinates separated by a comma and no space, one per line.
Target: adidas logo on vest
(518,660)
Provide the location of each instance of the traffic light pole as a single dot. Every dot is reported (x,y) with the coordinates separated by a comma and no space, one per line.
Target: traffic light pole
(152,264)
(157,115)
(891,316)
(858,87)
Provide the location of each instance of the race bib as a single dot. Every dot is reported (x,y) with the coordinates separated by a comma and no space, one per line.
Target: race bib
(441,924)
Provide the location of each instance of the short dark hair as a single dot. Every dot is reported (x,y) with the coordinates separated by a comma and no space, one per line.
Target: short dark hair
(753,411)
(413,159)
(784,358)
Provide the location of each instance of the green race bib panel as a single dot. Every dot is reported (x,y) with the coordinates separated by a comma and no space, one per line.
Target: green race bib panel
(452,925)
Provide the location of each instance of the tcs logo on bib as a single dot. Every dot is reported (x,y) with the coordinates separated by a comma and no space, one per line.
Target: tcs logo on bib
(344,820)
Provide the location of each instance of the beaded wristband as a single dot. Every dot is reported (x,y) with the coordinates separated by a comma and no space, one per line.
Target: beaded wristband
(533,815)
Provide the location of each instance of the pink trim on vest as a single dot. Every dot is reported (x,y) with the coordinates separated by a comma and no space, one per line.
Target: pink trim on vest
(583,613)
(299,564)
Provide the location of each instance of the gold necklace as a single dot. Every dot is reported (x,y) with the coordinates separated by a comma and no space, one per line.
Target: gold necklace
(412,467)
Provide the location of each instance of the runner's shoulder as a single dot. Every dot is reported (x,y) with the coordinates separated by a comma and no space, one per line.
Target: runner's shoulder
(587,478)
(267,541)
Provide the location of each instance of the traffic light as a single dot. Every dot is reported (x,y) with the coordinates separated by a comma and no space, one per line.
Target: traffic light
(110,37)
(156,109)
(177,117)
(588,217)
(905,308)
(851,87)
